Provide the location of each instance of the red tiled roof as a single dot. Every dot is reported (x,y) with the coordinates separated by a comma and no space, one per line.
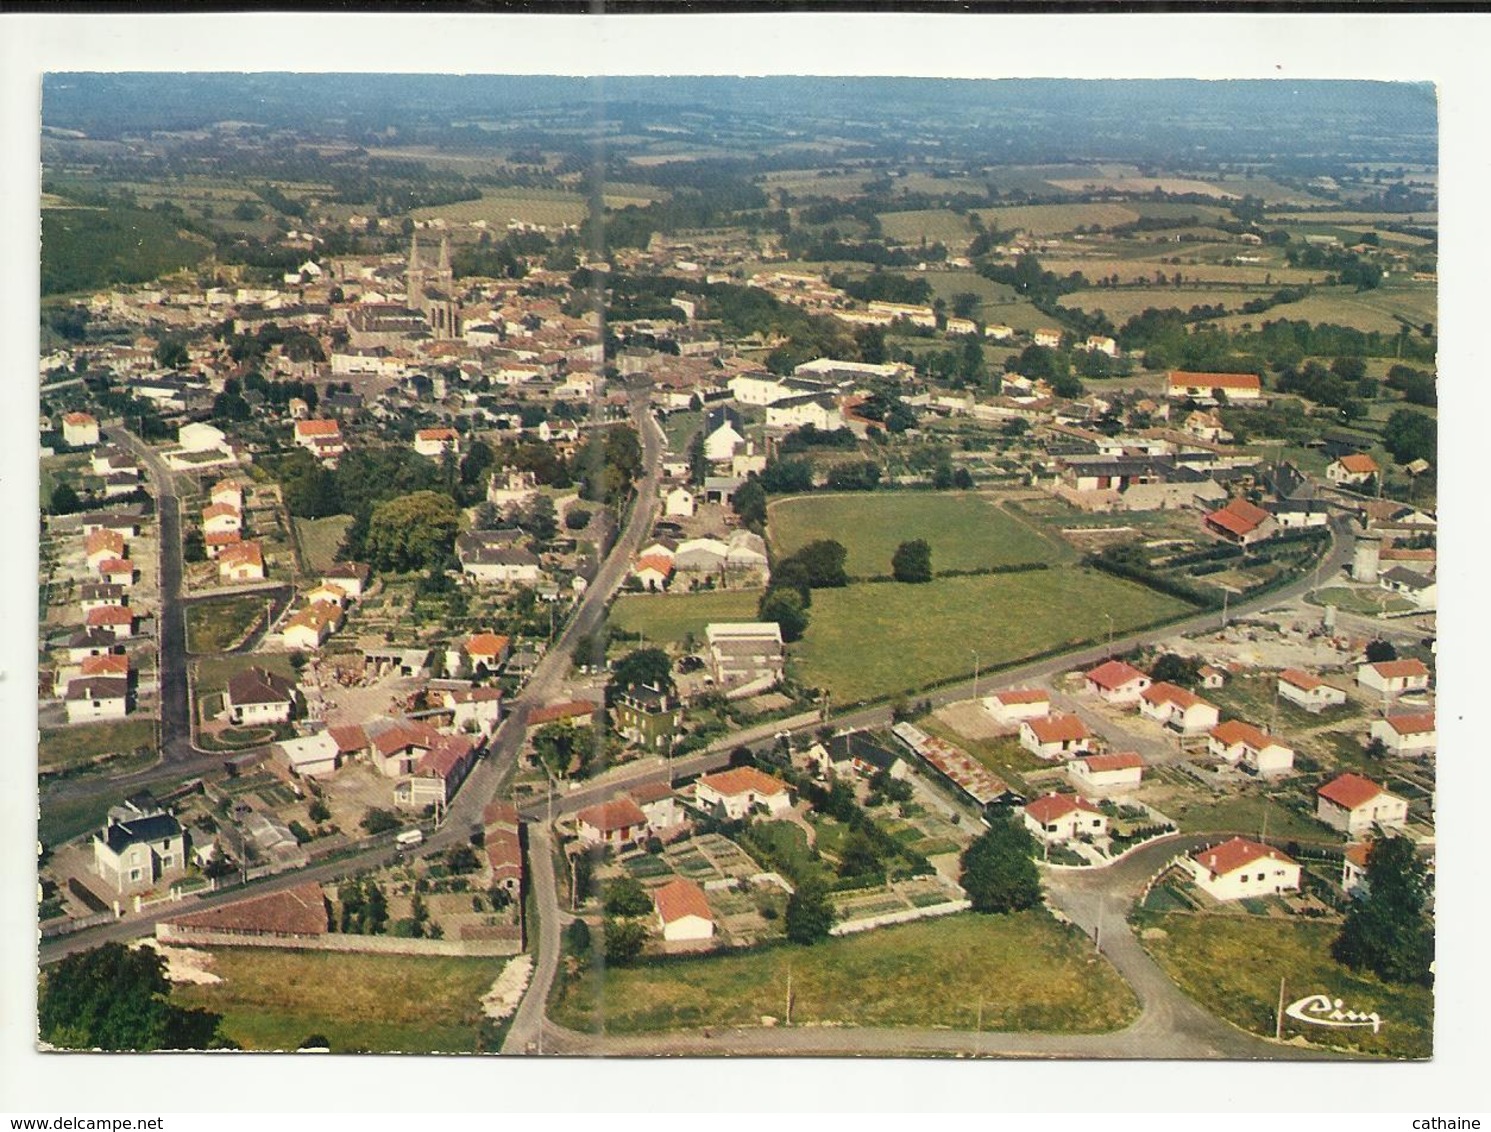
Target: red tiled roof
(1350,790)
(504,853)
(1166,693)
(656,562)
(1181,377)
(1113,674)
(1240,517)
(1235,731)
(349,739)
(222,538)
(1357,854)
(554,712)
(1403,724)
(213,510)
(78,419)
(317,428)
(110,664)
(1393,669)
(296,911)
(1023,696)
(742,779)
(1358,463)
(103,539)
(1048,808)
(618,813)
(1302,680)
(500,813)
(680,898)
(436,434)
(241,553)
(486,644)
(1124,760)
(1058,729)
(443,758)
(1237,854)
(110,615)
(650,792)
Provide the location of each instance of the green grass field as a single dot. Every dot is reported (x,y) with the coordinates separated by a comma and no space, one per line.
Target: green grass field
(662,618)
(71,746)
(549,207)
(1250,813)
(873,640)
(213,672)
(1049,219)
(935,225)
(1344,306)
(1232,966)
(212,626)
(1122,305)
(967,531)
(273,1000)
(319,540)
(86,248)
(1028,972)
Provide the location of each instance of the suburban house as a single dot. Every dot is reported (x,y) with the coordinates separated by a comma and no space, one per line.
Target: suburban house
(1174,707)
(91,698)
(241,562)
(647,717)
(1116,682)
(1238,869)
(1406,735)
(679,501)
(229,492)
(136,850)
(350,576)
(117,572)
(745,653)
(1201,387)
(102,545)
(1421,589)
(476,710)
(79,430)
(653,571)
(1392,677)
(1307,691)
(504,850)
(1018,704)
(312,756)
(438,775)
(396,746)
(577,713)
(328,592)
(617,822)
(1211,676)
(509,564)
(214,542)
(1241,522)
(1061,817)
(683,911)
(92,595)
(1352,468)
(741,789)
(221,518)
(486,653)
(856,752)
(1106,774)
(323,438)
(257,696)
(93,641)
(434,441)
(309,627)
(117,620)
(1354,867)
(1048,337)
(1354,805)
(723,433)
(1053,736)
(1242,744)
(658,803)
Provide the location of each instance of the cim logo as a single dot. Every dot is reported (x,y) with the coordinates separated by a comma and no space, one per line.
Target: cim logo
(1322,1010)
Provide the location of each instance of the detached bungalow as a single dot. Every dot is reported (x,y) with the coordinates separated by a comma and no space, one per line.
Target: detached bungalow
(740,789)
(1117,682)
(1242,744)
(478,708)
(683,911)
(114,619)
(617,822)
(258,696)
(1406,735)
(1060,817)
(1055,736)
(312,756)
(1354,805)
(241,562)
(102,545)
(434,441)
(1307,691)
(1174,707)
(486,653)
(1240,868)
(1392,677)
(1106,774)
(97,697)
(309,628)
(1354,468)
(1018,704)
(1241,522)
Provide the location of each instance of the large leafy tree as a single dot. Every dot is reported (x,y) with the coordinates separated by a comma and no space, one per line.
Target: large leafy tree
(912,561)
(413,532)
(1386,931)
(114,997)
(1409,436)
(999,872)
(785,607)
(809,913)
(649,666)
(823,561)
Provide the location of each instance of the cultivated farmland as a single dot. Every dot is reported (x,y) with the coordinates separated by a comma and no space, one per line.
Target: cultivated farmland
(1049,219)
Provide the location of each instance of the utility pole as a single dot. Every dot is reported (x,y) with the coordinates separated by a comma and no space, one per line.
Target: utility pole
(1109,616)
(1279,1015)
(975,672)
(1097,938)
(1225,595)
(789,994)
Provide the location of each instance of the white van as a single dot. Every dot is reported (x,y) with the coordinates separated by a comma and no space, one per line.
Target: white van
(410,838)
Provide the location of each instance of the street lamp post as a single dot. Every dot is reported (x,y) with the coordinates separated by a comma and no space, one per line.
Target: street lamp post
(975,672)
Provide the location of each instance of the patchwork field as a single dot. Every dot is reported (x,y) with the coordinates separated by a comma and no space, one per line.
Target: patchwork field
(880,639)
(1144,185)
(1049,219)
(967,531)
(933,225)
(274,1000)
(1232,965)
(1366,310)
(1266,276)
(1028,972)
(550,207)
(663,618)
(1122,305)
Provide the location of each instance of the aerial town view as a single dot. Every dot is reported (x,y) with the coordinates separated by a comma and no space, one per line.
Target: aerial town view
(771,567)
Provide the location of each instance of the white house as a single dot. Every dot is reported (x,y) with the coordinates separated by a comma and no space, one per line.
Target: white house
(658,803)
(740,789)
(1238,869)
(1014,705)
(311,756)
(1308,691)
(617,822)
(1354,805)
(745,652)
(1175,707)
(722,442)
(679,501)
(1201,387)
(79,430)
(200,437)
(309,627)
(1117,682)
(1393,677)
(478,709)
(683,911)
(1048,337)
(1060,817)
(1354,866)
(1406,735)
(258,696)
(1053,736)
(1353,468)
(433,442)
(134,852)
(1106,774)
(351,576)
(1242,744)
(221,518)
(93,698)
(241,562)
